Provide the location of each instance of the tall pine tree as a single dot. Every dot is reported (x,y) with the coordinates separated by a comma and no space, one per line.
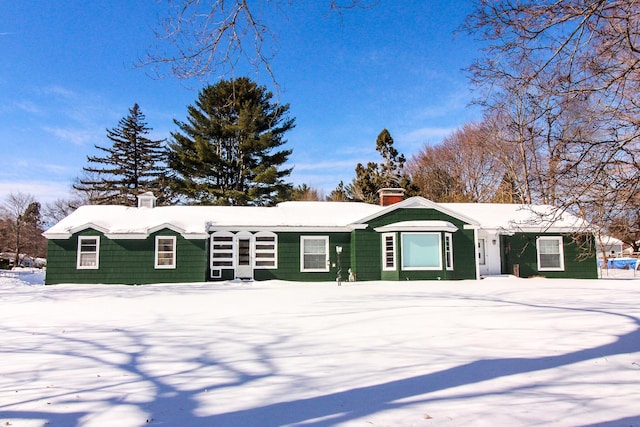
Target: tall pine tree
(388,174)
(133,164)
(226,153)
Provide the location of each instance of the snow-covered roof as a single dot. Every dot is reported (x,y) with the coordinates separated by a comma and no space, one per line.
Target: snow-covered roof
(197,221)
(510,218)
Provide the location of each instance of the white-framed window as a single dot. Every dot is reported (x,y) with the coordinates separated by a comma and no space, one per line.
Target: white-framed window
(165,256)
(88,253)
(314,253)
(389,251)
(421,251)
(550,253)
(221,250)
(448,251)
(266,250)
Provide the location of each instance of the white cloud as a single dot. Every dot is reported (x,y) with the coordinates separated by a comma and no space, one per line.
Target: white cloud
(43,191)
(60,91)
(75,136)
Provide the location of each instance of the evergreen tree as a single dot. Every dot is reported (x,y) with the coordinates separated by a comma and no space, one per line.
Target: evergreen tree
(339,194)
(226,152)
(303,192)
(373,177)
(132,165)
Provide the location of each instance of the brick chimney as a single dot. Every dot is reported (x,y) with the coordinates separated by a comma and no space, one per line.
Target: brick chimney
(390,196)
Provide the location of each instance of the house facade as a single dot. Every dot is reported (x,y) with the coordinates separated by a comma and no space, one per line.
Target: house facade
(403,239)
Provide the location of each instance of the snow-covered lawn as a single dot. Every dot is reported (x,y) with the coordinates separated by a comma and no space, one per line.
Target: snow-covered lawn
(500,351)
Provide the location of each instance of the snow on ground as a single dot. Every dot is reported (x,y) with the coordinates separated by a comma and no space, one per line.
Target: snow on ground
(500,351)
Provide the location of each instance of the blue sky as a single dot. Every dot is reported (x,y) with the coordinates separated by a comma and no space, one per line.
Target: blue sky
(67,73)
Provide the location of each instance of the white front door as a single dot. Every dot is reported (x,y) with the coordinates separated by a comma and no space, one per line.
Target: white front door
(244,265)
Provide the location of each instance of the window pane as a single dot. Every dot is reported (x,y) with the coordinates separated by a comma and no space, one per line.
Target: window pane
(549,261)
(421,250)
(315,261)
(448,251)
(165,252)
(165,258)
(88,252)
(165,245)
(314,253)
(550,253)
(389,252)
(88,260)
(549,246)
(88,246)
(269,247)
(314,246)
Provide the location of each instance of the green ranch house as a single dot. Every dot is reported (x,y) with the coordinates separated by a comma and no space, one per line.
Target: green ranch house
(402,239)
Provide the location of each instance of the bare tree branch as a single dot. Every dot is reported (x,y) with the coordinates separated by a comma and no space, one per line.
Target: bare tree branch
(200,38)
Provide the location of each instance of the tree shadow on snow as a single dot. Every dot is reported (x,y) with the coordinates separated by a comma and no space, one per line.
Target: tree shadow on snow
(326,410)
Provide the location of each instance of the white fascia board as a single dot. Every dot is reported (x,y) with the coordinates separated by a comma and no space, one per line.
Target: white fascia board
(162,226)
(418,202)
(195,236)
(547,230)
(57,236)
(126,236)
(432,225)
(282,228)
(88,225)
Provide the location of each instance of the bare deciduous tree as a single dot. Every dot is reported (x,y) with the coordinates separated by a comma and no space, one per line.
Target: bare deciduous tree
(562,76)
(465,167)
(198,38)
(21,215)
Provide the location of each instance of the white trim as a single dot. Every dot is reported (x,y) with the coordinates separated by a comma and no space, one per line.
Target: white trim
(448,250)
(385,253)
(228,262)
(418,202)
(173,252)
(475,255)
(290,228)
(402,249)
(79,251)
(261,251)
(560,241)
(431,225)
(326,247)
(243,271)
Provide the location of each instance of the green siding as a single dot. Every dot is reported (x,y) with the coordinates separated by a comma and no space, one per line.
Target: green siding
(126,261)
(520,249)
(368,255)
(289,260)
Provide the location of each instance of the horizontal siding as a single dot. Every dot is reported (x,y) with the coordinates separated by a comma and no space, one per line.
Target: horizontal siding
(289,259)
(126,261)
(369,249)
(520,249)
